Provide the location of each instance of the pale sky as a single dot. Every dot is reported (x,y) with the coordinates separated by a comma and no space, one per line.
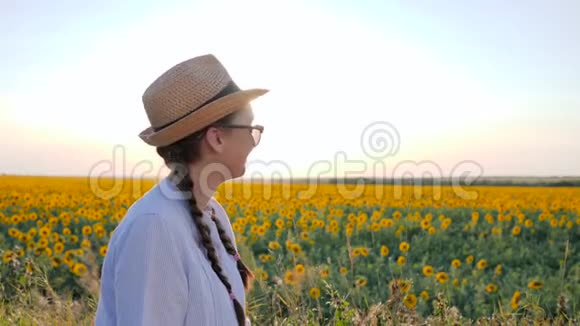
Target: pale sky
(494,82)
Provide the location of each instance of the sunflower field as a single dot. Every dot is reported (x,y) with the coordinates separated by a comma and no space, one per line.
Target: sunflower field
(327,252)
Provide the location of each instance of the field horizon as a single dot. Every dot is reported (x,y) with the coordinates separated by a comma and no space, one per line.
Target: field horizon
(527,181)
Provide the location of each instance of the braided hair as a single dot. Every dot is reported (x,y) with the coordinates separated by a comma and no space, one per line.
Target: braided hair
(180,154)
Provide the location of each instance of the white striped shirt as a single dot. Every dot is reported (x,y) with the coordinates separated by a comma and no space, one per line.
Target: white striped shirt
(156,271)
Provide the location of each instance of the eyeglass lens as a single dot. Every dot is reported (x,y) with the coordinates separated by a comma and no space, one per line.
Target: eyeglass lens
(256,134)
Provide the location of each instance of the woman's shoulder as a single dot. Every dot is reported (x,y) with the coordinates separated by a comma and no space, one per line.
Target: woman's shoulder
(163,199)
(154,207)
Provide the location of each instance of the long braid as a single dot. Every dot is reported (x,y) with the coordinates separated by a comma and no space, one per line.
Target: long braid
(186,185)
(245,272)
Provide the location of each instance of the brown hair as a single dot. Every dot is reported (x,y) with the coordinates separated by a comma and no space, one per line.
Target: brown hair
(179,155)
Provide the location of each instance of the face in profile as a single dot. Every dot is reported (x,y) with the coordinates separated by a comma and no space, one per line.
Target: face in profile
(237,139)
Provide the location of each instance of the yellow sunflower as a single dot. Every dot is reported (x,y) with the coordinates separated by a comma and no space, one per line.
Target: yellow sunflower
(410,301)
(384,251)
(442,277)
(456,263)
(79,269)
(516,299)
(535,285)
(428,271)
(315,293)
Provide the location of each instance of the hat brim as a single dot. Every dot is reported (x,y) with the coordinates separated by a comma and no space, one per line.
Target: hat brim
(200,118)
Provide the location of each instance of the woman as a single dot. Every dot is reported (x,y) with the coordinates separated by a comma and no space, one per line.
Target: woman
(173,260)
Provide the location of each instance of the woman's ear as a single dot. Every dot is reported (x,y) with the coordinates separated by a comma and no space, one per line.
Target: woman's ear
(215,140)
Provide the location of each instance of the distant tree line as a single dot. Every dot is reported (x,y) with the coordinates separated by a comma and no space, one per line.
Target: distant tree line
(496,182)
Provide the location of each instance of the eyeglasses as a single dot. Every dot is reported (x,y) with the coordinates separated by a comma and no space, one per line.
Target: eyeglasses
(255,130)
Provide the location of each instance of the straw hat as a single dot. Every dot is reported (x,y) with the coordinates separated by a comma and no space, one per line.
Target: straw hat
(190,96)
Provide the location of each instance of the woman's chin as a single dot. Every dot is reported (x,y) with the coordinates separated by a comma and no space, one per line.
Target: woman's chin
(239,173)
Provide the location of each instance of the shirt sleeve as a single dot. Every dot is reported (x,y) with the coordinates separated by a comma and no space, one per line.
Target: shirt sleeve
(151,282)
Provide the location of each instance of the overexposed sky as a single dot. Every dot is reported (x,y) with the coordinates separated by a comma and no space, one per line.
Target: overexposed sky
(492,82)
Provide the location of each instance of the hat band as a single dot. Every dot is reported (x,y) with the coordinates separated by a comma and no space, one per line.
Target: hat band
(230,88)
